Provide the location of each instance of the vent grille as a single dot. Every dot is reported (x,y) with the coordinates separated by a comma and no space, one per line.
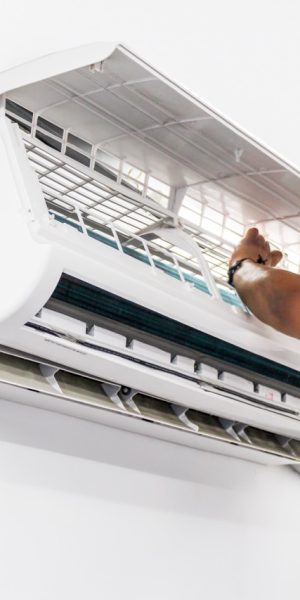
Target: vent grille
(139,202)
(56,381)
(87,301)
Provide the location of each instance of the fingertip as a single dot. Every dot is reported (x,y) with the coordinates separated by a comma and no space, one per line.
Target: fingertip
(252,233)
(276,257)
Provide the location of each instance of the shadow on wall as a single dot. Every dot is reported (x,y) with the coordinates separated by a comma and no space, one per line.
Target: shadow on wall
(52,451)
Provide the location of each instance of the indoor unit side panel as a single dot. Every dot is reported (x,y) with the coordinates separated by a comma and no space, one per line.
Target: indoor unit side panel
(30,267)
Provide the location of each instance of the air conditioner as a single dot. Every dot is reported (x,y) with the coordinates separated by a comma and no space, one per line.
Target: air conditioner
(122,196)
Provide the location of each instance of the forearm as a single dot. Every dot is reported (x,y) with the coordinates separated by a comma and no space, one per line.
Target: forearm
(272,295)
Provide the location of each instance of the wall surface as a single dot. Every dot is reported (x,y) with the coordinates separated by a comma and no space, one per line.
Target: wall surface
(87,512)
(91,512)
(243,58)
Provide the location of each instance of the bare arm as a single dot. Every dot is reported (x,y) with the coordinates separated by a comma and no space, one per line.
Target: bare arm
(273,295)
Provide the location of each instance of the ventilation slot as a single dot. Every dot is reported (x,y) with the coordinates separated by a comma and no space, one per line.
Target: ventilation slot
(54,381)
(87,301)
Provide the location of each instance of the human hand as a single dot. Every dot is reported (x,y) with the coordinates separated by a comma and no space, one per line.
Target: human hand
(254,245)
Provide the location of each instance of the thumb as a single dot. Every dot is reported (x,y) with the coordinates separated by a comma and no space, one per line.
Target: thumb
(275,257)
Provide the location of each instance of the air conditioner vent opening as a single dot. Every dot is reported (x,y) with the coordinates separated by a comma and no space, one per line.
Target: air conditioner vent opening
(74,388)
(89,304)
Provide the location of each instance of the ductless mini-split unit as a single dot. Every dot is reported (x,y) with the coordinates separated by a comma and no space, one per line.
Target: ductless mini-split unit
(122,197)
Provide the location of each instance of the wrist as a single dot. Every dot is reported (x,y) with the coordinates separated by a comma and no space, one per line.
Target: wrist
(238,263)
(238,256)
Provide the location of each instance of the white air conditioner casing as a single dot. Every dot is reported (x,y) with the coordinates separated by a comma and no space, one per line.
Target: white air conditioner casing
(37,250)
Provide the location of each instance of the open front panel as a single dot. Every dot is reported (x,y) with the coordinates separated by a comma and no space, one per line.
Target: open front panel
(117,145)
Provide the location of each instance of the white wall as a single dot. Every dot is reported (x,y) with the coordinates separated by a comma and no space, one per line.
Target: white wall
(90,513)
(241,57)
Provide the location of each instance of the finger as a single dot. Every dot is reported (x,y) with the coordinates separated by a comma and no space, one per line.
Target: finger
(261,240)
(267,252)
(251,234)
(275,257)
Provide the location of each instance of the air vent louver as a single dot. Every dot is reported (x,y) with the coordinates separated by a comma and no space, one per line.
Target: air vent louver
(71,387)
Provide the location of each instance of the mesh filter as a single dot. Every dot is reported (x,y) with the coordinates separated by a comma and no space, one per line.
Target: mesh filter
(222,190)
